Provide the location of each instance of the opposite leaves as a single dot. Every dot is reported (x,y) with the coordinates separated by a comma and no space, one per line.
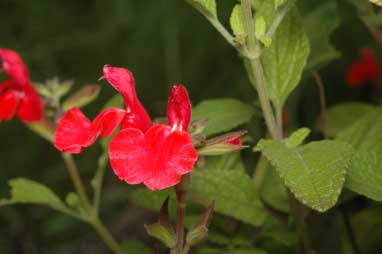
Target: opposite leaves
(315,172)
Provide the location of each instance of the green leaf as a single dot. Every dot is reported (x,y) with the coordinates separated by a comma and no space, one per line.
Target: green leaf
(297,138)
(236,21)
(25,191)
(319,23)
(231,161)
(365,172)
(222,114)
(260,27)
(285,58)
(207,7)
(135,247)
(152,200)
(315,172)
(342,116)
(233,192)
(273,191)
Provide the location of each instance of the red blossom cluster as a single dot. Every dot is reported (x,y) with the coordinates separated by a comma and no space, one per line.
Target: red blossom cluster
(366,69)
(17,94)
(156,155)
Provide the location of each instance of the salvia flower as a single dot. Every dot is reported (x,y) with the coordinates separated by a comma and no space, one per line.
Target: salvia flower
(223,144)
(366,69)
(17,94)
(156,155)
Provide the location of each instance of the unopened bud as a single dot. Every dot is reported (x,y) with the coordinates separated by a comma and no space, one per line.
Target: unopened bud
(223,144)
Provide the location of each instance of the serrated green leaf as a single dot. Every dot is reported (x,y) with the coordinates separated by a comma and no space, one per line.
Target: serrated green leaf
(222,114)
(365,172)
(342,116)
(26,191)
(315,172)
(319,24)
(285,58)
(222,186)
(297,137)
(236,21)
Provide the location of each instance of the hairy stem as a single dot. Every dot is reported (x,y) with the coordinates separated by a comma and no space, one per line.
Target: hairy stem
(275,128)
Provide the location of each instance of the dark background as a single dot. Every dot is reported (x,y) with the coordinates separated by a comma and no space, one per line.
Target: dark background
(161,42)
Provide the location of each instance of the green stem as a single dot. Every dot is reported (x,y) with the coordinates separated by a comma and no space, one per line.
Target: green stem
(275,128)
(93,218)
(256,70)
(105,235)
(77,182)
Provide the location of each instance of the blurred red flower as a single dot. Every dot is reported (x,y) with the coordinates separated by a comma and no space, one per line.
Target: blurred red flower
(17,94)
(365,69)
(156,155)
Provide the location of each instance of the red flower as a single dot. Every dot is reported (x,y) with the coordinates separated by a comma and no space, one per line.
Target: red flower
(17,94)
(156,155)
(366,69)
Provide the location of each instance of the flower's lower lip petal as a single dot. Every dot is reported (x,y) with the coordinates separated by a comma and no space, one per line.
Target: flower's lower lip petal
(8,105)
(108,120)
(129,156)
(163,180)
(30,108)
(74,132)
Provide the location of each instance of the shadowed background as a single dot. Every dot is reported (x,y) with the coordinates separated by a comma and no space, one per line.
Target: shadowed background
(162,42)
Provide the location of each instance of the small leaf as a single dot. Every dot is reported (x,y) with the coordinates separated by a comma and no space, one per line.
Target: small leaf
(236,21)
(25,191)
(365,172)
(72,200)
(222,114)
(260,27)
(82,97)
(162,233)
(315,172)
(297,138)
(222,186)
(285,58)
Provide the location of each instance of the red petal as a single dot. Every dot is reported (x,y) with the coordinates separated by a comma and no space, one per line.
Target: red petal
(158,158)
(74,132)
(30,108)
(129,156)
(14,67)
(108,120)
(179,108)
(172,155)
(366,69)
(8,104)
(123,81)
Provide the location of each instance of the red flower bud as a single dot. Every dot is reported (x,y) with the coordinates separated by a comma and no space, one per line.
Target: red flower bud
(179,108)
